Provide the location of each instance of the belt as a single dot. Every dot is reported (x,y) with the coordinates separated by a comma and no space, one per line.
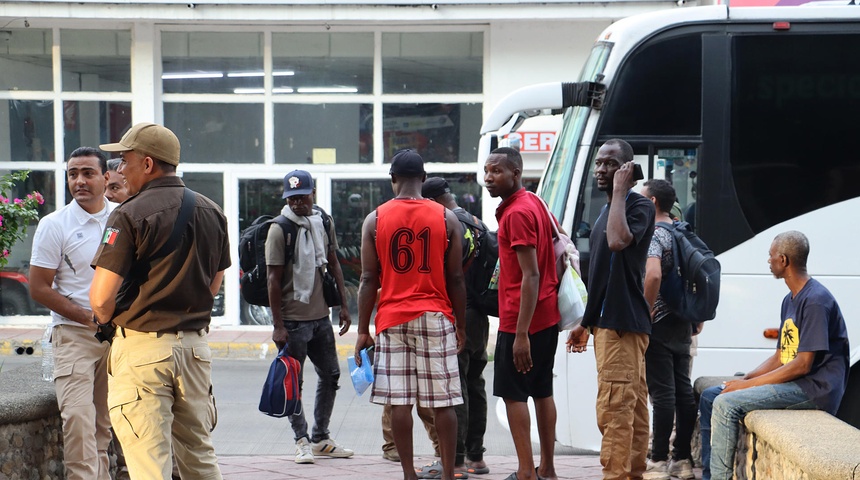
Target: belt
(127,332)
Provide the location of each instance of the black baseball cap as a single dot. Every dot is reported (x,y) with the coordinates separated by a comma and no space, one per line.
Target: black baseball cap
(407,163)
(298,182)
(434,187)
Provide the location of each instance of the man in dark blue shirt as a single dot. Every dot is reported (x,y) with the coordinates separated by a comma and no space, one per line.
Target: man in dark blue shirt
(808,370)
(618,314)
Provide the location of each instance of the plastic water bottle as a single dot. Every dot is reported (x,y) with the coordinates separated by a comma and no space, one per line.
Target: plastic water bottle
(47,356)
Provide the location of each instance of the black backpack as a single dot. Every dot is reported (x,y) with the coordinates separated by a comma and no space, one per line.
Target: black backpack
(482,280)
(692,288)
(252,254)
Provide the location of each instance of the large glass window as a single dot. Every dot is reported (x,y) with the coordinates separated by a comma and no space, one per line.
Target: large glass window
(26,130)
(322,63)
(14,286)
(212,62)
(211,185)
(356,199)
(794,145)
(440,132)
(432,62)
(257,197)
(659,90)
(323,134)
(94,123)
(25,59)
(217,132)
(96,60)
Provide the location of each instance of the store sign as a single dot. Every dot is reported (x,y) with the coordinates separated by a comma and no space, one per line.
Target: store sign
(534,141)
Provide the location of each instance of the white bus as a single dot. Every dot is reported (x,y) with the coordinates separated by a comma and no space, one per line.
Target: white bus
(753,114)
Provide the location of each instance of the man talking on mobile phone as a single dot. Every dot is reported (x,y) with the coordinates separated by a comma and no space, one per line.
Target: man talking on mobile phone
(617,313)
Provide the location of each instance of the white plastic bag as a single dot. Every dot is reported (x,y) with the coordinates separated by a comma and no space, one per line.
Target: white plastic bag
(572,297)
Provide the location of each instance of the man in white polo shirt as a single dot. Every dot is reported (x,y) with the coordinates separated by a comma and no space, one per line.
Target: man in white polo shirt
(60,275)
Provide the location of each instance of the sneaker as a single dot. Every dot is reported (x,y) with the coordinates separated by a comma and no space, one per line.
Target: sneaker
(303,451)
(656,471)
(391,455)
(682,469)
(330,448)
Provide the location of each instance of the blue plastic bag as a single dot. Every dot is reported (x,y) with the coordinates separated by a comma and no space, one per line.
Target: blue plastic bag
(362,377)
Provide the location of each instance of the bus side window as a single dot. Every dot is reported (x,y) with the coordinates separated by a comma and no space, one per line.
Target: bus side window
(679,166)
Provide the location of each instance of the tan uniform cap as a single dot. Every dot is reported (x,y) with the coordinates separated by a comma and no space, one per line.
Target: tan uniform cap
(149,139)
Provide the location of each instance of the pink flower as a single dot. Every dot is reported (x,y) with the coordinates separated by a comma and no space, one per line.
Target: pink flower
(4,199)
(39,197)
(18,201)
(1,220)
(5,252)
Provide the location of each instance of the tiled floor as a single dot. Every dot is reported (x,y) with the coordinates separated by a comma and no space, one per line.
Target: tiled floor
(366,467)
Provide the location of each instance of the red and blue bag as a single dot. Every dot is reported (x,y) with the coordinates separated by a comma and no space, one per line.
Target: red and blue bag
(282,395)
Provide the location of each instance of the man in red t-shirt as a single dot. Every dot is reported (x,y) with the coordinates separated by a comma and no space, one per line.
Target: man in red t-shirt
(411,251)
(528,311)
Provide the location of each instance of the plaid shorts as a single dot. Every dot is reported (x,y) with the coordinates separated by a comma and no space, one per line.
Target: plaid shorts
(417,361)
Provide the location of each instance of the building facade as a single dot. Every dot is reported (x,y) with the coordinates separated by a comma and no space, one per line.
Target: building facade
(255,89)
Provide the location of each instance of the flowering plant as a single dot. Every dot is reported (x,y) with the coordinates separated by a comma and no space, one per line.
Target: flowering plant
(15,214)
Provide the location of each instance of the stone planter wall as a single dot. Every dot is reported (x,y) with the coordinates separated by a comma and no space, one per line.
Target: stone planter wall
(31,434)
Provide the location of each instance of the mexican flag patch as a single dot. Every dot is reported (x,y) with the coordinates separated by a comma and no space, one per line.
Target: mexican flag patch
(110,235)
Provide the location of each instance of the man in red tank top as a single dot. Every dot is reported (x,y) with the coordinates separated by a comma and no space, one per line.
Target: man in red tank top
(410,252)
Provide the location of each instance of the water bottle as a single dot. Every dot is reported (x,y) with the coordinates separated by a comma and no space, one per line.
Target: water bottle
(47,356)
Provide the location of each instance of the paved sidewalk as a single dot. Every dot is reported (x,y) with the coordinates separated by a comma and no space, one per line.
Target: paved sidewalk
(225,342)
(367,467)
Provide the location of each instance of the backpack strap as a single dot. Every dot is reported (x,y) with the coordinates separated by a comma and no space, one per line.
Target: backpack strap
(289,228)
(667,225)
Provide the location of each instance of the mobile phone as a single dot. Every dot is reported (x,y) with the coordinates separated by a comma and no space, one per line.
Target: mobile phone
(637,172)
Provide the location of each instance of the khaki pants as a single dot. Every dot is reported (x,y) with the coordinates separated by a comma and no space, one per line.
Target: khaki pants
(160,391)
(622,402)
(427,418)
(80,376)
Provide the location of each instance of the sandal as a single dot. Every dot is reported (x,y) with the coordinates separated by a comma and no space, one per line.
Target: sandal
(477,470)
(434,470)
(431,470)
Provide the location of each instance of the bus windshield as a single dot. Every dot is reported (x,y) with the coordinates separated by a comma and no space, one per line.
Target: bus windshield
(555,184)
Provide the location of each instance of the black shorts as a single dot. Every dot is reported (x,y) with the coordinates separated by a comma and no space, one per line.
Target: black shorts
(537,383)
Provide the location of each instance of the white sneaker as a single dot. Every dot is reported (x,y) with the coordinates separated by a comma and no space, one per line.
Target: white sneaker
(330,448)
(682,469)
(303,451)
(656,471)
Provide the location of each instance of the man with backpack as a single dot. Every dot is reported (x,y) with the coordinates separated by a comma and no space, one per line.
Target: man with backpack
(472,414)
(300,314)
(667,359)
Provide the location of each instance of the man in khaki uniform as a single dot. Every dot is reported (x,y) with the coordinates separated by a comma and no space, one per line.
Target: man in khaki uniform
(160,385)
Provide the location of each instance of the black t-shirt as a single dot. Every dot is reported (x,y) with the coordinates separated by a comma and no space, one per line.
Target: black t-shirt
(615,279)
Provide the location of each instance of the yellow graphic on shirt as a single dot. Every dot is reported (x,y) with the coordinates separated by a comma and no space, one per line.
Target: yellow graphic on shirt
(789,339)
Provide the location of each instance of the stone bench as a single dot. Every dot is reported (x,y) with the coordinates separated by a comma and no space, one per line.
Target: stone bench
(800,444)
(31,432)
(793,444)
